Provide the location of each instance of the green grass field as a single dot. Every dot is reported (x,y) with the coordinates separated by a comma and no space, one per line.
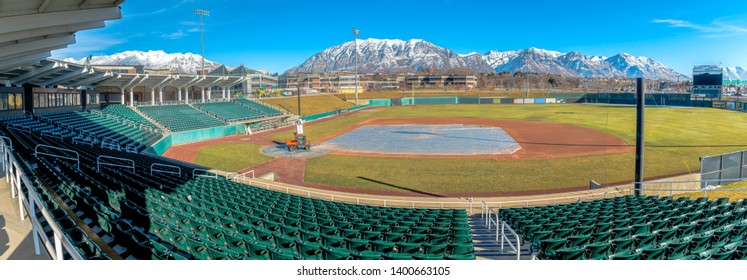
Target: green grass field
(726,191)
(310,105)
(242,156)
(675,139)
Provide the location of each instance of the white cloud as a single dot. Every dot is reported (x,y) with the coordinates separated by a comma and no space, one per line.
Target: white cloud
(193,30)
(718,28)
(162,10)
(174,35)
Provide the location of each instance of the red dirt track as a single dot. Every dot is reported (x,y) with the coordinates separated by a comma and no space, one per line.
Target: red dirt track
(538,141)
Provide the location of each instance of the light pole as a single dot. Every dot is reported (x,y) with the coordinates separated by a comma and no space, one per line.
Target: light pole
(298,90)
(202,12)
(355,40)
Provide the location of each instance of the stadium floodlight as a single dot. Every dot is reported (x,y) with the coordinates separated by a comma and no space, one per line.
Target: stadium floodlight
(202,12)
(355,40)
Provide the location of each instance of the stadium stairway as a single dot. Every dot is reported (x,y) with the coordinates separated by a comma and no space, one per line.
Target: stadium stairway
(154,122)
(486,248)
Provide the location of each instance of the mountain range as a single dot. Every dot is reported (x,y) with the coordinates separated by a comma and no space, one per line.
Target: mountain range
(735,73)
(393,55)
(181,63)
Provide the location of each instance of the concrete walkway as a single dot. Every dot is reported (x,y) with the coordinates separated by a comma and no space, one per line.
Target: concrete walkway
(16,241)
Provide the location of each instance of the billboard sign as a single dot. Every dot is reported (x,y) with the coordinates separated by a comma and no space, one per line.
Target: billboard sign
(708,75)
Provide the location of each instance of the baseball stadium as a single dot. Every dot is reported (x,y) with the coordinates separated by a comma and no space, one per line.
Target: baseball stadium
(120,166)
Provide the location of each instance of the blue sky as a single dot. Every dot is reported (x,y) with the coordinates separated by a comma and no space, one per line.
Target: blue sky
(278,34)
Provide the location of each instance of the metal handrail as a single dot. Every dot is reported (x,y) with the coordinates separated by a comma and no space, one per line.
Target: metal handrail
(358,200)
(110,143)
(250,171)
(59,241)
(554,200)
(99,163)
(7,142)
(76,158)
(517,247)
(179,173)
(205,172)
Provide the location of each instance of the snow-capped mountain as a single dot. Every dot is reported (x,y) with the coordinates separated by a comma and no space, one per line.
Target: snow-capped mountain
(411,56)
(375,55)
(735,73)
(182,63)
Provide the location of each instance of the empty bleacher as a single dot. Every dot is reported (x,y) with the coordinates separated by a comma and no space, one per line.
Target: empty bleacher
(230,112)
(126,112)
(128,211)
(632,227)
(267,111)
(94,129)
(179,118)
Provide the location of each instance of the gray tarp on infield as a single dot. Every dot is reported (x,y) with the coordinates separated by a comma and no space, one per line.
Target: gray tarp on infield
(425,140)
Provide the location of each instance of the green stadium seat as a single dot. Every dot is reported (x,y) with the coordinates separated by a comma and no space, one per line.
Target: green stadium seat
(383,246)
(336,253)
(397,256)
(623,245)
(409,248)
(310,251)
(366,255)
(256,251)
(460,257)
(358,245)
(577,240)
(699,244)
(653,253)
(573,253)
(625,256)
(598,250)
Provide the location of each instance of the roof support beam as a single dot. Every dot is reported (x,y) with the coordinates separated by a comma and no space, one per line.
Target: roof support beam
(44,5)
(90,81)
(40,45)
(65,77)
(127,84)
(22,60)
(240,80)
(145,77)
(41,32)
(39,72)
(161,83)
(219,79)
(191,82)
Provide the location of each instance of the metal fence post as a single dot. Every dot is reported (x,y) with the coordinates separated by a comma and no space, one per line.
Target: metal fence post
(34,230)
(20,194)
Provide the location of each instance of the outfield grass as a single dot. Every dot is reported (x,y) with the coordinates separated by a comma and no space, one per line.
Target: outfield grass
(675,139)
(722,192)
(230,156)
(310,105)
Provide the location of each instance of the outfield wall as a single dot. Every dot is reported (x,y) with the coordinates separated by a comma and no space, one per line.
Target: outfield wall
(458,100)
(195,136)
(335,112)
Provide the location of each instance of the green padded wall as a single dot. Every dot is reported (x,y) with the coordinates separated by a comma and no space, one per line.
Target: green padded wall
(194,136)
